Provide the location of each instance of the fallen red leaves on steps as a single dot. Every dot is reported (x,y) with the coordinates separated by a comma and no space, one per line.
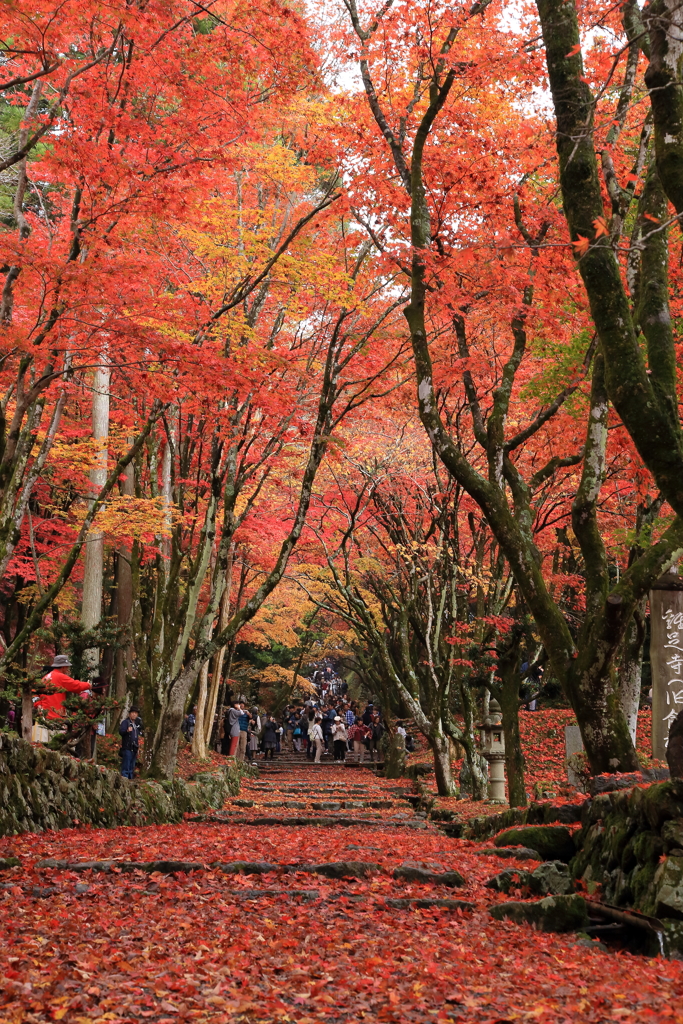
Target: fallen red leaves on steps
(285,946)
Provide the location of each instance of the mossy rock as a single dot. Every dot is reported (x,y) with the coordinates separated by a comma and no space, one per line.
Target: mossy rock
(668,884)
(551,878)
(599,808)
(642,883)
(443,814)
(616,838)
(647,847)
(553,842)
(672,834)
(662,802)
(628,856)
(553,914)
(673,936)
(416,771)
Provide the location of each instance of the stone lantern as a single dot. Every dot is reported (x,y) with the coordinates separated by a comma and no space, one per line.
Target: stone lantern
(493,750)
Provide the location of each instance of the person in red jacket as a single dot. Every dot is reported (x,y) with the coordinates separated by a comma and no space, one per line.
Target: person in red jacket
(52,703)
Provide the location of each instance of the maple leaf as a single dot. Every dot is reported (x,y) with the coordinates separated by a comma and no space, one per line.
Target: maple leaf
(581,245)
(601,227)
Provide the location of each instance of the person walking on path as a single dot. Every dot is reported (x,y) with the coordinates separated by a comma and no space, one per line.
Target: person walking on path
(328,718)
(130,743)
(368,713)
(350,716)
(290,726)
(316,735)
(376,729)
(339,739)
(359,733)
(308,726)
(255,724)
(269,737)
(233,725)
(244,731)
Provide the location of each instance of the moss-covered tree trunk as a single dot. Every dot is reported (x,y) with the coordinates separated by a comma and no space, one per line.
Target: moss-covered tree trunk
(514,757)
(441,749)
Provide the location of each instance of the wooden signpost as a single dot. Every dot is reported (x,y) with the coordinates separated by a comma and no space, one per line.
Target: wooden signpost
(666,657)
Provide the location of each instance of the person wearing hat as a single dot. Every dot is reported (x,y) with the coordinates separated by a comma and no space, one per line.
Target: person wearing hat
(58,684)
(339,738)
(130,743)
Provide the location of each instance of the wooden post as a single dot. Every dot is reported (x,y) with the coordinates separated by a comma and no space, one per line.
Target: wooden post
(666,657)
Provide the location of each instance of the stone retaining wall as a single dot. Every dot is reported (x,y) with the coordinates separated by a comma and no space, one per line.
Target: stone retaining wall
(631,845)
(42,789)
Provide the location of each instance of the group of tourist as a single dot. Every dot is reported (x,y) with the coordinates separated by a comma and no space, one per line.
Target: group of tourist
(334,728)
(337,729)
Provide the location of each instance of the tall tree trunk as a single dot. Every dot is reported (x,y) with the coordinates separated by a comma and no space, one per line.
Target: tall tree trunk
(631,670)
(91,608)
(26,712)
(207,710)
(199,747)
(123,665)
(441,749)
(514,758)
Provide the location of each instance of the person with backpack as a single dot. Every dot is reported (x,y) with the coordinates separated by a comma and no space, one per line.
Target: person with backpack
(296,737)
(269,737)
(188,725)
(130,742)
(328,717)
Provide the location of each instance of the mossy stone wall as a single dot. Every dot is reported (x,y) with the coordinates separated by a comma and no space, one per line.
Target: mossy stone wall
(631,845)
(42,789)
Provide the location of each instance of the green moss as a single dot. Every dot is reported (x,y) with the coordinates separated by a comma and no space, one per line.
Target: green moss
(553,914)
(662,802)
(642,886)
(647,847)
(552,842)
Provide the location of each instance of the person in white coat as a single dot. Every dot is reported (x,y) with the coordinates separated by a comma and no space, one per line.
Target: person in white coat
(340,739)
(315,733)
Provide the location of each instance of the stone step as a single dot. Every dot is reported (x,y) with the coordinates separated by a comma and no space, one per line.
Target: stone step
(324,805)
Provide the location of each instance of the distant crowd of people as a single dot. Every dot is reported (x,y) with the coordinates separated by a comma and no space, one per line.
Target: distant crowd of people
(326,725)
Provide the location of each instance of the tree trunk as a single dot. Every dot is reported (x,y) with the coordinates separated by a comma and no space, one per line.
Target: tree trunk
(514,758)
(91,608)
(123,665)
(165,746)
(199,747)
(631,671)
(593,690)
(26,713)
(441,749)
(205,714)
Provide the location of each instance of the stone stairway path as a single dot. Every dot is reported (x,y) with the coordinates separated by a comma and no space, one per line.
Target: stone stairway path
(293,792)
(291,901)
